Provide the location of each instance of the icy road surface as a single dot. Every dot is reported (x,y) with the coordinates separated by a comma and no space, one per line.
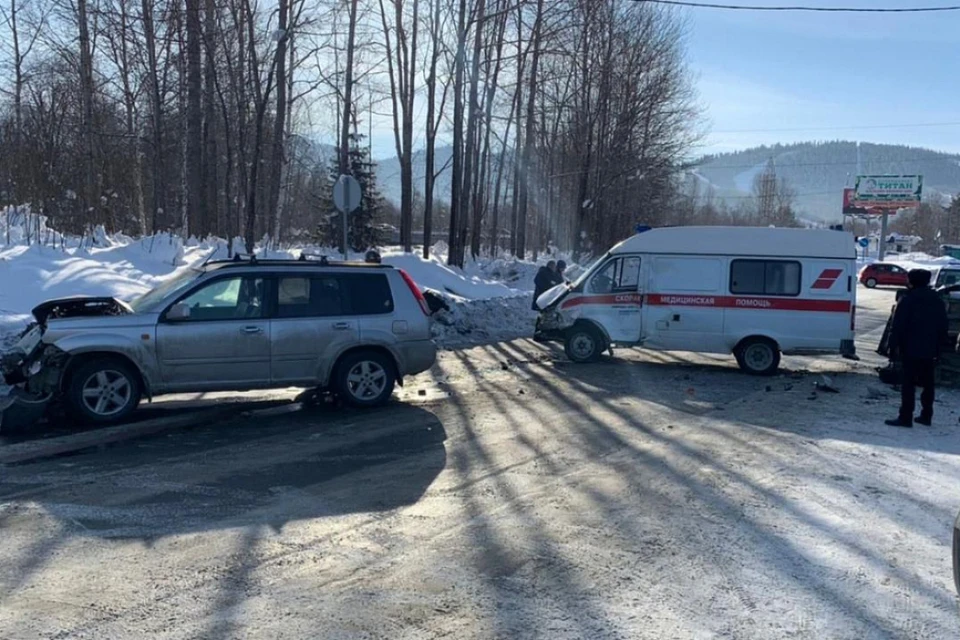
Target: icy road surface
(649,496)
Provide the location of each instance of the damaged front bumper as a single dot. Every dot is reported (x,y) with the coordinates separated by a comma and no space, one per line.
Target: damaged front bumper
(549,327)
(32,370)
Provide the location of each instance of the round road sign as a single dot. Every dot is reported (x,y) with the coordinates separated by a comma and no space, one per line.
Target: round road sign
(346,194)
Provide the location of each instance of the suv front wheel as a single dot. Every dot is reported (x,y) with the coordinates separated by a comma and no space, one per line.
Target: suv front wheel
(103,391)
(366,379)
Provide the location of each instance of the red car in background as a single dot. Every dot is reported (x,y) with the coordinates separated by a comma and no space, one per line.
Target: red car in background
(883,274)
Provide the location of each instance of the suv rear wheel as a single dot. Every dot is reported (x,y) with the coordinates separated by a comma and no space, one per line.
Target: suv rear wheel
(871,283)
(366,379)
(103,391)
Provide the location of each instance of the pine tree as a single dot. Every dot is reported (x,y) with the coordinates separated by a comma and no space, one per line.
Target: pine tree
(363,232)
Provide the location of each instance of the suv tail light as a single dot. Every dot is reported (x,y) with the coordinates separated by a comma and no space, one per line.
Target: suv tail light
(415,290)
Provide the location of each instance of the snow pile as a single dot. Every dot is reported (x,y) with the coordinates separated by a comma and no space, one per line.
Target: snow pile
(923,260)
(471,322)
(433,274)
(519,274)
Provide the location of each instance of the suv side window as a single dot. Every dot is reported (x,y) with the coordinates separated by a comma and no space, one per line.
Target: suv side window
(227,299)
(312,296)
(369,293)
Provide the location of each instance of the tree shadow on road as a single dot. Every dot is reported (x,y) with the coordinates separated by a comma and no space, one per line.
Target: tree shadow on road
(255,471)
(665,458)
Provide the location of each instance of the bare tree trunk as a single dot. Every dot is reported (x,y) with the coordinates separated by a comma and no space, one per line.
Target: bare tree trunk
(89,201)
(482,192)
(455,255)
(284,195)
(495,223)
(17,72)
(406,173)
(401,71)
(210,155)
(156,108)
(261,98)
(194,164)
(530,132)
(433,124)
(344,157)
(472,107)
(118,36)
(280,119)
(517,146)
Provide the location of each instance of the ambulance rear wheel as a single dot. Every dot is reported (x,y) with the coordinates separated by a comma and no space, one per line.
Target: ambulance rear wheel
(583,344)
(758,356)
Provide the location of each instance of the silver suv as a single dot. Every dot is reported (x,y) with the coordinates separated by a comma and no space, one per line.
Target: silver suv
(355,329)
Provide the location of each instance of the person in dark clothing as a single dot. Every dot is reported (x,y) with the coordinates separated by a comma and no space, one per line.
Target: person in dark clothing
(918,334)
(546,278)
(561,267)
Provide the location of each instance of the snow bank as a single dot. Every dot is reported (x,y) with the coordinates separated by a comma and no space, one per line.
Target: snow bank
(472,322)
(433,274)
(31,274)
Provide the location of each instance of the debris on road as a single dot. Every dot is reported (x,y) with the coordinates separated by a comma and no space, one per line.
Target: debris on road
(826,384)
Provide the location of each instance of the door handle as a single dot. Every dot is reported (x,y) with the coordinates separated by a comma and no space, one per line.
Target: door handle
(252,330)
(341,325)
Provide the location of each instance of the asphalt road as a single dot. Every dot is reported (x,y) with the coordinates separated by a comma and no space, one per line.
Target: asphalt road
(508,494)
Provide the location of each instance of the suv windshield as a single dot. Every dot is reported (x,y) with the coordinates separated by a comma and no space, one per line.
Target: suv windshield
(171,286)
(948,277)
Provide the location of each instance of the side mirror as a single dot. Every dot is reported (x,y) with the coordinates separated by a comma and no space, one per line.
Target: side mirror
(179,311)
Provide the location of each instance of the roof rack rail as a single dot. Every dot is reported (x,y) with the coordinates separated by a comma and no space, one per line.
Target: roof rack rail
(240,257)
(306,255)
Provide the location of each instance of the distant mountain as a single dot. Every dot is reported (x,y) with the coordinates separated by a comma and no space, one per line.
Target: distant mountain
(818,172)
(388,174)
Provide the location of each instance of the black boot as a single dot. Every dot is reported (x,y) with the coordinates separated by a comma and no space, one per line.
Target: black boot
(924,420)
(899,422)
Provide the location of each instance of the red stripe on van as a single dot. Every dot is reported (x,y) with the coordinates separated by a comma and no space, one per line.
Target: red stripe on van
(611,299)
(725,302)
(740,302)
(826,278)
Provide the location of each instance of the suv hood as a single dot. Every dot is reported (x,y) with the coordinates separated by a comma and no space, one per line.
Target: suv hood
(78,307)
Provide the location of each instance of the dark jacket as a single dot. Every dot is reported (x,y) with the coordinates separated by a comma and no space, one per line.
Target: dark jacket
(919,329)
(545,279)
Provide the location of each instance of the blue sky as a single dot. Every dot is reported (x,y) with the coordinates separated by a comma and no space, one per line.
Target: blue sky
(827,74)
(830,75)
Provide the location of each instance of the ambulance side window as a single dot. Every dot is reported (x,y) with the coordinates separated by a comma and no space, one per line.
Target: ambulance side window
(765,277)
(629,273)
(620,274)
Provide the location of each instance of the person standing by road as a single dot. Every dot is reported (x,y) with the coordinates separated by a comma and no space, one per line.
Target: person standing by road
(918,334)
(546,277)
(561,267)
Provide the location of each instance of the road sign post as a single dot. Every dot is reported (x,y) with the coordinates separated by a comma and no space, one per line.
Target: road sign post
(346,198)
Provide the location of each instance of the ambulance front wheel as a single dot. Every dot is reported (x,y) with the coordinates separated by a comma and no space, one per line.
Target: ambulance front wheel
(758,356)
(583,343)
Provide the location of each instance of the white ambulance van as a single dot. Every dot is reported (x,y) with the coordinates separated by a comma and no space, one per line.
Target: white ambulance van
(754,292)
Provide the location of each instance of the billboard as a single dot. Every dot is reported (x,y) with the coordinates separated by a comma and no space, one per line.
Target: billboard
(888,192)
(849,208)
